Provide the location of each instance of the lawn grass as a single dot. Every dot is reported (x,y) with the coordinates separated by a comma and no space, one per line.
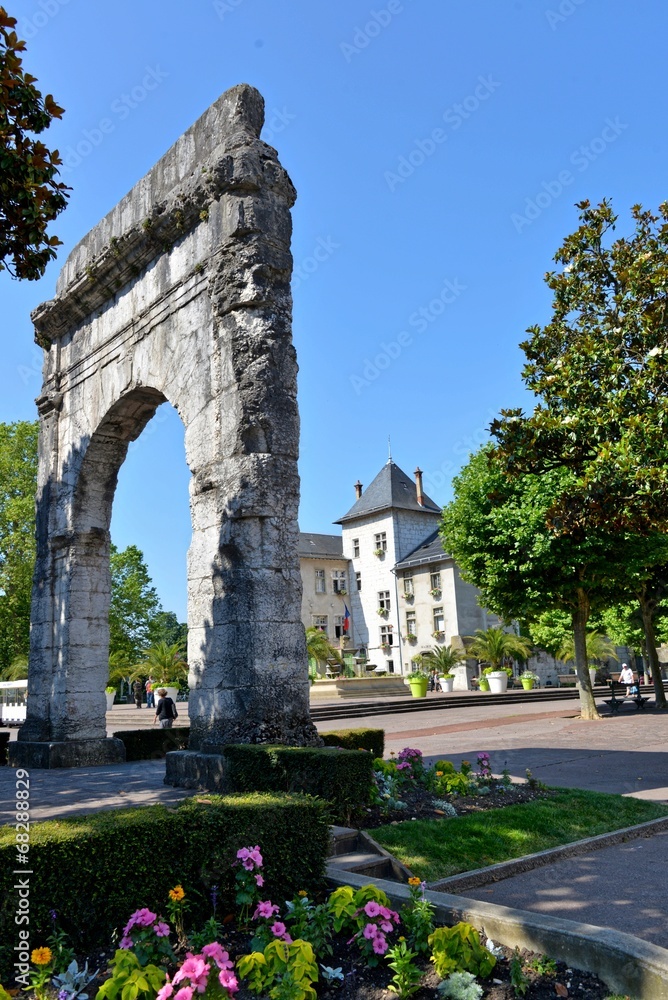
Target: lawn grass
(435,849)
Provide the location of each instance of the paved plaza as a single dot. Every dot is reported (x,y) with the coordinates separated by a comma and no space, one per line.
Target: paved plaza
(623,887)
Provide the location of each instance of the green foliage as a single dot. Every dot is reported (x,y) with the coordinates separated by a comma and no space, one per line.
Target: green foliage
(443,658)
(165,627)
(30,194)
(114,854)
(518,979)
(417,917)
(407,977)
(458,949)
(599,648)
(18,485)
(460,986)
(153,744)
(319,648)
(542,965)
(130,979)
(311,922)
(551,630)
(165,664)
(341,777)
(282,971)
(494,645)
(345,904)
(134,604)
(356,739)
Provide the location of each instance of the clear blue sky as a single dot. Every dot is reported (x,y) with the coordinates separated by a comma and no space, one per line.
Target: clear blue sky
(536,104)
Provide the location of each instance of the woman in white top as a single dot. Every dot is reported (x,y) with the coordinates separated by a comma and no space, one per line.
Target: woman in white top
(626,677)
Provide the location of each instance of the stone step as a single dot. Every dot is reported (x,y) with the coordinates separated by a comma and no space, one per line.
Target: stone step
(373,865)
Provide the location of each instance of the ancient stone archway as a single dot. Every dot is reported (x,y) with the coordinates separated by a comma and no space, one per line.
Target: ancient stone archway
(181,293)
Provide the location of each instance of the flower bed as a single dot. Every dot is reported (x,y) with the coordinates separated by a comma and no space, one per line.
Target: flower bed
(350,943)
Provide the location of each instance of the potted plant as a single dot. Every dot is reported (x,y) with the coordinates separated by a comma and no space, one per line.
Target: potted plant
(483,683)
(435,593)
(497,678)
(409,597)
(342,593)
(446,681)
(111,694)
(418,681)
(386,648)
(379,552)
(166,665)
(411,637)
(417,660)
(528,679)
(382,612)
(438,634)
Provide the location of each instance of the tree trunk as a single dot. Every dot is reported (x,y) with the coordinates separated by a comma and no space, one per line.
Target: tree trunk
(588,708)
(646,610)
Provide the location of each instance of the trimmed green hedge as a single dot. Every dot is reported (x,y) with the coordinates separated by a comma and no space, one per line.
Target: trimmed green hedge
(356,739)
(152,744)
(342,777)
(96,870)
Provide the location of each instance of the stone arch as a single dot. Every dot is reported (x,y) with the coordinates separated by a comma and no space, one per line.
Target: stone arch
(181,293)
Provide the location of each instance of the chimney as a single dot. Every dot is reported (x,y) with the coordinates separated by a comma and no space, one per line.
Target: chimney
(418,486)
(358,489)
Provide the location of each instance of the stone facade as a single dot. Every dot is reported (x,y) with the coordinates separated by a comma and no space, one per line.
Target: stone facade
(181,294)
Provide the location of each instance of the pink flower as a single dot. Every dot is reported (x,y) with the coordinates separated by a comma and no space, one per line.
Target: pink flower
(372,909)
(278,929)
(161,929)
(185,993)
(242,853)
(218,954)
(386,926)
(144,917)
(287,939)
(370,932)
(196,969)
(166,991)
(126,942)
(265,909)
(379,945)
(228,980)
(385,913)
(259,881)
(255,856)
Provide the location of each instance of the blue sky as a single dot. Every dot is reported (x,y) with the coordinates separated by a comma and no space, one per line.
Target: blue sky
(437,147)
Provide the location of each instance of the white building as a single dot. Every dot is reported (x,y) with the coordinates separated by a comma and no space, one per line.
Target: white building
(404,593)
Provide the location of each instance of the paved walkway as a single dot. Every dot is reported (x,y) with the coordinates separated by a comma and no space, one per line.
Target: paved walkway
(623,887)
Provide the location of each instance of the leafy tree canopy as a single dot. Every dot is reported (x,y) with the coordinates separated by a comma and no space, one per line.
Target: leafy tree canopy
(30,194)
(134,604)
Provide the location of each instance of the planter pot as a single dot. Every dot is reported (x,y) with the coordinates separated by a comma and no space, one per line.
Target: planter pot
(483,684)
(527,683)
(446,683)
(110,699)
(498,681)
(592,676)
(171,691)
(418,687)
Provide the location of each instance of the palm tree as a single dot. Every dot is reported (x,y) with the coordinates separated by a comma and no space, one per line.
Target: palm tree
(599,648)
(319,647)
(493,646)
(165,663)
(443,658)
(17,670)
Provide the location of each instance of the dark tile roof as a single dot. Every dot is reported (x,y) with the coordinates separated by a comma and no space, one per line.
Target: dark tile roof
(431,550)
(391,488)
(322,546)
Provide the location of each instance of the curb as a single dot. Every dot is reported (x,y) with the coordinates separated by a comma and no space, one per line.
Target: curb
(625,963)
(506,869)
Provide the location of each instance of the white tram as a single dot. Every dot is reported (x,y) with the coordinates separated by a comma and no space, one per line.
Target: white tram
(13,697)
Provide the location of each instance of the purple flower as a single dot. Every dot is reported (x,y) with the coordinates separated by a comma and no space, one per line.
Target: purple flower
(259,881)
(278,929)
(265,909)
(380,944)
(166,991)
(161,929)
(126,942)
(228,980)
(372,908)
(370,932)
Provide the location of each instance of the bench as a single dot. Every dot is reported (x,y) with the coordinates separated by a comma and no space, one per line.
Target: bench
(616,703)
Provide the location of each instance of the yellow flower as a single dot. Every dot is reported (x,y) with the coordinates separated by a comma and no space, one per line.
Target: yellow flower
(302,892)
(41,956)
(176,894)
(402,938)
(439,774)
(414,881)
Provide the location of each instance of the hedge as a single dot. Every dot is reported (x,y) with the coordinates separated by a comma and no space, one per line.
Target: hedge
(152,744)
(342,777)
(356,739)
(95,870)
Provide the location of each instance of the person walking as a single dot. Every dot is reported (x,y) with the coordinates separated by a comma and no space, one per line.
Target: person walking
(165,710)
(150,694)
(626,677)
(138,692)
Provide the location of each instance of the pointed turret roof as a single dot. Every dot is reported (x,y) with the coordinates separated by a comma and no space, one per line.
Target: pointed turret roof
(391,488)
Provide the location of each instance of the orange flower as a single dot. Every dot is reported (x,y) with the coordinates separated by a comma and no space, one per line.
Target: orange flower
(176,894)
(414,881)
(439,774)
(302,892)
(41,956)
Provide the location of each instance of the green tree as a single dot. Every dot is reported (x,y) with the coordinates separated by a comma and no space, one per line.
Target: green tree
(319,648)
(30,194)
(494,645)
(443,658)
(164,663)
(599,648)
(551,630)
(134,604)
(497,529)
(165,627)
(18,483)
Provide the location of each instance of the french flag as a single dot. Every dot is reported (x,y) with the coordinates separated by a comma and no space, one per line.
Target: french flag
(346,619)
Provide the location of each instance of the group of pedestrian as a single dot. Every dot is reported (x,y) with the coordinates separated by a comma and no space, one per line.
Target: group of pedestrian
(165,710)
